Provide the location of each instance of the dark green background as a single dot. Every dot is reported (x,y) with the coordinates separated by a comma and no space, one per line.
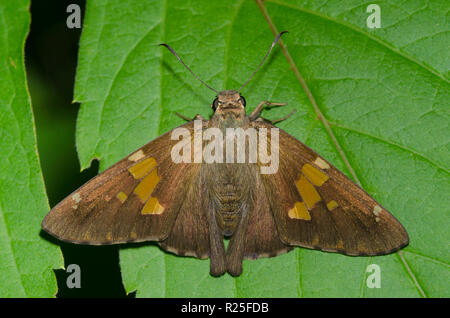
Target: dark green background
(51,59)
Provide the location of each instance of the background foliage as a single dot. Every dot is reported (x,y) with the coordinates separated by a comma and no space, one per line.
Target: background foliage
(26,259)
(374,103)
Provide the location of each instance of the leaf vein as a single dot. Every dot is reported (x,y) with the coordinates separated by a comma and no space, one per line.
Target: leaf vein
(370,36)
(423,157)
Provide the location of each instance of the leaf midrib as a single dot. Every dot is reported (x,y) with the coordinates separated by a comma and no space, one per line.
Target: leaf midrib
(366,34)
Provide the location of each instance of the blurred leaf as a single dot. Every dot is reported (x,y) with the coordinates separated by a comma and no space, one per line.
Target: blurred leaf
(26,259)
(383,93)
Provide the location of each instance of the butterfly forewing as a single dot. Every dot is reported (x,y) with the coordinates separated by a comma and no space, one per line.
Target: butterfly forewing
(137,199)
(316,206)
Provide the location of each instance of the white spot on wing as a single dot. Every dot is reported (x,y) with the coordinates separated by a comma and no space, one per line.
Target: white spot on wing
(76,197)
(376,210)
(137,156)
(321,163)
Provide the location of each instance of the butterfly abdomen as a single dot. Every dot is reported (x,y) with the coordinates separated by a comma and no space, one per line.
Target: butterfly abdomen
(228,201)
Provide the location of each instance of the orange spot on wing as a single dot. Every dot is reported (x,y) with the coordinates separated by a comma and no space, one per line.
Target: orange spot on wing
(315,241)
(121,196)
(309,194)
(147,185)
(152,207)
(142,168)
(299,211)
(314,175)
(332,205)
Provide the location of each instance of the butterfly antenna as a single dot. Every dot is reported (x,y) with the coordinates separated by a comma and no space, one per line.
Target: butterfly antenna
(179,59)
(264,59)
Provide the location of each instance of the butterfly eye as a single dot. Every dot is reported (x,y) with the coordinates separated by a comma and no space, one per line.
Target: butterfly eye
(215,104)
(243,101)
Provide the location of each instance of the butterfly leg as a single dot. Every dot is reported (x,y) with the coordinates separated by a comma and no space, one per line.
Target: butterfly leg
(257,112)
(196,117)
(235,249)
(274,121)
(217,249)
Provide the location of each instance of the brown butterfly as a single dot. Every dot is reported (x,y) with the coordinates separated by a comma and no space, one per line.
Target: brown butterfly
(189,207)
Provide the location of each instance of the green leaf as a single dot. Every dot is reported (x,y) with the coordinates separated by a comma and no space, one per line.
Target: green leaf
(372,101)
(26,259)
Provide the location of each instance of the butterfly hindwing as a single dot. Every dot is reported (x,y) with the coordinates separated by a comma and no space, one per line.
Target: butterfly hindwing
(137,199)
(262,238)
(316,206)
(190,233)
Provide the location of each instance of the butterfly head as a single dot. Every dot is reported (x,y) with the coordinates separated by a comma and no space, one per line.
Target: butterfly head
(228,101)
